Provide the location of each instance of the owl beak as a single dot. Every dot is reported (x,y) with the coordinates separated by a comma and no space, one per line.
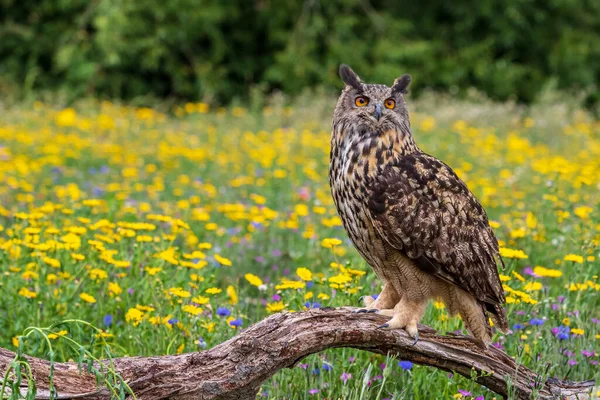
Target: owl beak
(378,111)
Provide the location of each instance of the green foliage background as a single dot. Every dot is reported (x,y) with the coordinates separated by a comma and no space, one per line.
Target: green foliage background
(219,50)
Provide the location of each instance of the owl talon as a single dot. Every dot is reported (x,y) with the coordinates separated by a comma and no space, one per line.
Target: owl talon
(372,310)
(383,326)
(416,339)
(360,310)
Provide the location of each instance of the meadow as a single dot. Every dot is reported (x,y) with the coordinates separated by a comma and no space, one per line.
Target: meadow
(139,231)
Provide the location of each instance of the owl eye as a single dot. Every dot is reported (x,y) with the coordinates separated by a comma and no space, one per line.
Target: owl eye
(361,101)
(390,103)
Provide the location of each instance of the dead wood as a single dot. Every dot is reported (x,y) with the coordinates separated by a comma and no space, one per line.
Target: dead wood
(236,368)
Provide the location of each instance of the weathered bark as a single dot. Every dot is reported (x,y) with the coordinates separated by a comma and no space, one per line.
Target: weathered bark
(236,368)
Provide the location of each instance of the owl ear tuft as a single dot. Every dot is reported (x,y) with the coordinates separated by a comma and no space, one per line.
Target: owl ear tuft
(401,84)
(349,77)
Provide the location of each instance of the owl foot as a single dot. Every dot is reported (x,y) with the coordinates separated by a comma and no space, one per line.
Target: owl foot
(405,315)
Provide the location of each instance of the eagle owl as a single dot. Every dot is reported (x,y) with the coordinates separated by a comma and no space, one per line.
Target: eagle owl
(409,215)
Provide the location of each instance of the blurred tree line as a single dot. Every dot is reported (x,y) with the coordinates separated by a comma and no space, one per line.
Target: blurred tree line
(219,50)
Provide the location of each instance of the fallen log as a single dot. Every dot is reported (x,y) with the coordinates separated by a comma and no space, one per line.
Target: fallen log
(236,368)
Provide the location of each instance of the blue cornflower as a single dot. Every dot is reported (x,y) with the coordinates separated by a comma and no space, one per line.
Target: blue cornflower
(405,365)
(201,342)
(518,327)
(173,321)
(316,371)
(563,333)
(236,322)
(223,312)
(535,321)
(327,367)
(310,284)
(108,320)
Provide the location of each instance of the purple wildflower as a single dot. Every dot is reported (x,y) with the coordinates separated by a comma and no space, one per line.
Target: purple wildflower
(313,391)
(345,376)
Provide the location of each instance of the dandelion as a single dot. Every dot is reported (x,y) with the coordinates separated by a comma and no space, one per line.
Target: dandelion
(213,290)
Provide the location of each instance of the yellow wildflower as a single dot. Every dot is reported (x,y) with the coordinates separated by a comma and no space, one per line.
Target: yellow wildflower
(134,316)
(222,260)
(253,280)
(275,307)
(27,293)
(87,298)
(512,253)
(574,257)
(191,309)
(330,242)
(201,300)
(231,293)
(547,272)
(304,274)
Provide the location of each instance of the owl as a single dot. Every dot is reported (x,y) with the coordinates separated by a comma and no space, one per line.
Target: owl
(409,215)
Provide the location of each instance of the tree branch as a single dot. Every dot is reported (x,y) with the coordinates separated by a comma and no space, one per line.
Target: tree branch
(236,368)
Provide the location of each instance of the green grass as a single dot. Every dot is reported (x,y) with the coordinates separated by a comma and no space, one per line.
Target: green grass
(252,187)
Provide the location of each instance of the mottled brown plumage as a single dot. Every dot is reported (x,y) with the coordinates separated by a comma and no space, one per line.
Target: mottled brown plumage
(409,215)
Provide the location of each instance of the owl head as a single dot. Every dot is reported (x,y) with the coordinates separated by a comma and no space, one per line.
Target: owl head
(371,109)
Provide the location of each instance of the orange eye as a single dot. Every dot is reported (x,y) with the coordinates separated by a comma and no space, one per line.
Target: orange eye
(361,101)
(390,103)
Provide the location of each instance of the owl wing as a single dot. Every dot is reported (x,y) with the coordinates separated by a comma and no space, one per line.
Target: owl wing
(421,207)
